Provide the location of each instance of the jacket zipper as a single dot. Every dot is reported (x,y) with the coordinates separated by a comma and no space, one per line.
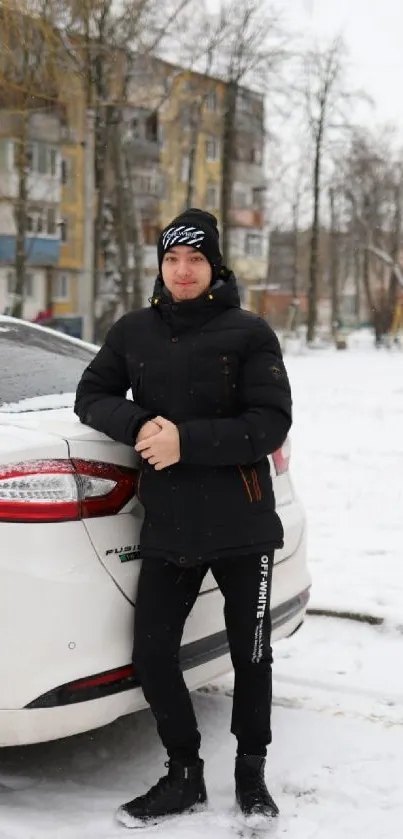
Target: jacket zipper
(251,483)
(226,374)
(140,381)
(256,485)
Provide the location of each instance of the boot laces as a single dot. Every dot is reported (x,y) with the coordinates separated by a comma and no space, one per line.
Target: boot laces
(161,785)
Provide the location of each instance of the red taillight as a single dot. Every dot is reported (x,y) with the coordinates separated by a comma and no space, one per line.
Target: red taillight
(102,679)
(63,490)
(281,458)
(98,496)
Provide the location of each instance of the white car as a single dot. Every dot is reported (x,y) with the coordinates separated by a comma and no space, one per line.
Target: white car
(69,561)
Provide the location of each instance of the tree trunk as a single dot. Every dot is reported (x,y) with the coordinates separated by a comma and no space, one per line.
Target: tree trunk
(192,170)
(397,235)
(20,215)
(334,268)
(314,256)
(227,158)
(134,229)
(295,215)
(121,212)
(102,138)
(194,137)
(136,226)
(357,283)
(375,314)
(49,276)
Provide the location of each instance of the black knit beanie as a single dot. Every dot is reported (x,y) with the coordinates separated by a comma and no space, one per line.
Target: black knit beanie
(197,229)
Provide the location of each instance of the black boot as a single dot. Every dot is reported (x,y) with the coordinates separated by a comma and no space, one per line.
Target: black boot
(180,791)
(251,791)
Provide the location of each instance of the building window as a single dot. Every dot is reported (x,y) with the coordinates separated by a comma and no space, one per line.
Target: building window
(185,168)
(241,197)
(52,161)
(64,230)
(256,155)
(186,117)
(162,137)
(51,221)
(137,127)
(30,223)
(30,155)
(146,184)
(68,175)
(212,197)
(42,158)
(60,288)
(257,197)
(64,171)
(10,283)
(29,285)
(212,101)
(212,149)
(253,245)
(36,221)
(4,165)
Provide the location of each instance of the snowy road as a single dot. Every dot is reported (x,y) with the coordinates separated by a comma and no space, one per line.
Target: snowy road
(336,764)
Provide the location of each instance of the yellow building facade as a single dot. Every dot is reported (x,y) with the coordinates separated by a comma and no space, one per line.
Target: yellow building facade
(189,93)
(70,267)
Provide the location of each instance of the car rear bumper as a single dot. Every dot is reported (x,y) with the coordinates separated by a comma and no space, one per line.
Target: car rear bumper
(203,661)
(206,657)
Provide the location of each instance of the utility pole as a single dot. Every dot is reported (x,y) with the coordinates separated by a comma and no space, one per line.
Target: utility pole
(86,291)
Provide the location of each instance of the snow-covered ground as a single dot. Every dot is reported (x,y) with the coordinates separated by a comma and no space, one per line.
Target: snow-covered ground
(348,468)
(336,763)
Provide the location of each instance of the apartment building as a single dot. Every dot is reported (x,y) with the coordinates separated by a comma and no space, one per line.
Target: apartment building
(189,111)
(42,239)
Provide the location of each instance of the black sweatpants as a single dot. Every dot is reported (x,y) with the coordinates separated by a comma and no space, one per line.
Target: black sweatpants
(165,597)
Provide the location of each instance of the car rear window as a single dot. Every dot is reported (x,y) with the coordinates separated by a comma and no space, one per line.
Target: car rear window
(36,365)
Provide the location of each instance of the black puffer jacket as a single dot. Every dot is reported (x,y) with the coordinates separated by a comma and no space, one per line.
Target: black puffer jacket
(217,372)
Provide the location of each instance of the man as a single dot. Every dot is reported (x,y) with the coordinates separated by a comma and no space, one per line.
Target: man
(211,399)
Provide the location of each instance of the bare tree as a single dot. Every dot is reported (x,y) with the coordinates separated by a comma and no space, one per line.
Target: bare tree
(243,43)
(29,90)
(322,77)
(106,40)
(334,273)
(200,52)
(253,53)
(326,98)
(372,177)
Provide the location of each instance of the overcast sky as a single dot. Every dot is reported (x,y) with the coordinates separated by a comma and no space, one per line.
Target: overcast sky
(373,30)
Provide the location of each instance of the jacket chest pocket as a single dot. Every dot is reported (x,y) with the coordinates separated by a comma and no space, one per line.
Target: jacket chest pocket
(136,371)
(214,383)
(148,380)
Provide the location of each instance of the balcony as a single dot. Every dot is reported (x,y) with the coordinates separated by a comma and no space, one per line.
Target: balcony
(39,250)
(248,217)
(142,139)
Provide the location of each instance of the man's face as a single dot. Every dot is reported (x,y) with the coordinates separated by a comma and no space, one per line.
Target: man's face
(186,272)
